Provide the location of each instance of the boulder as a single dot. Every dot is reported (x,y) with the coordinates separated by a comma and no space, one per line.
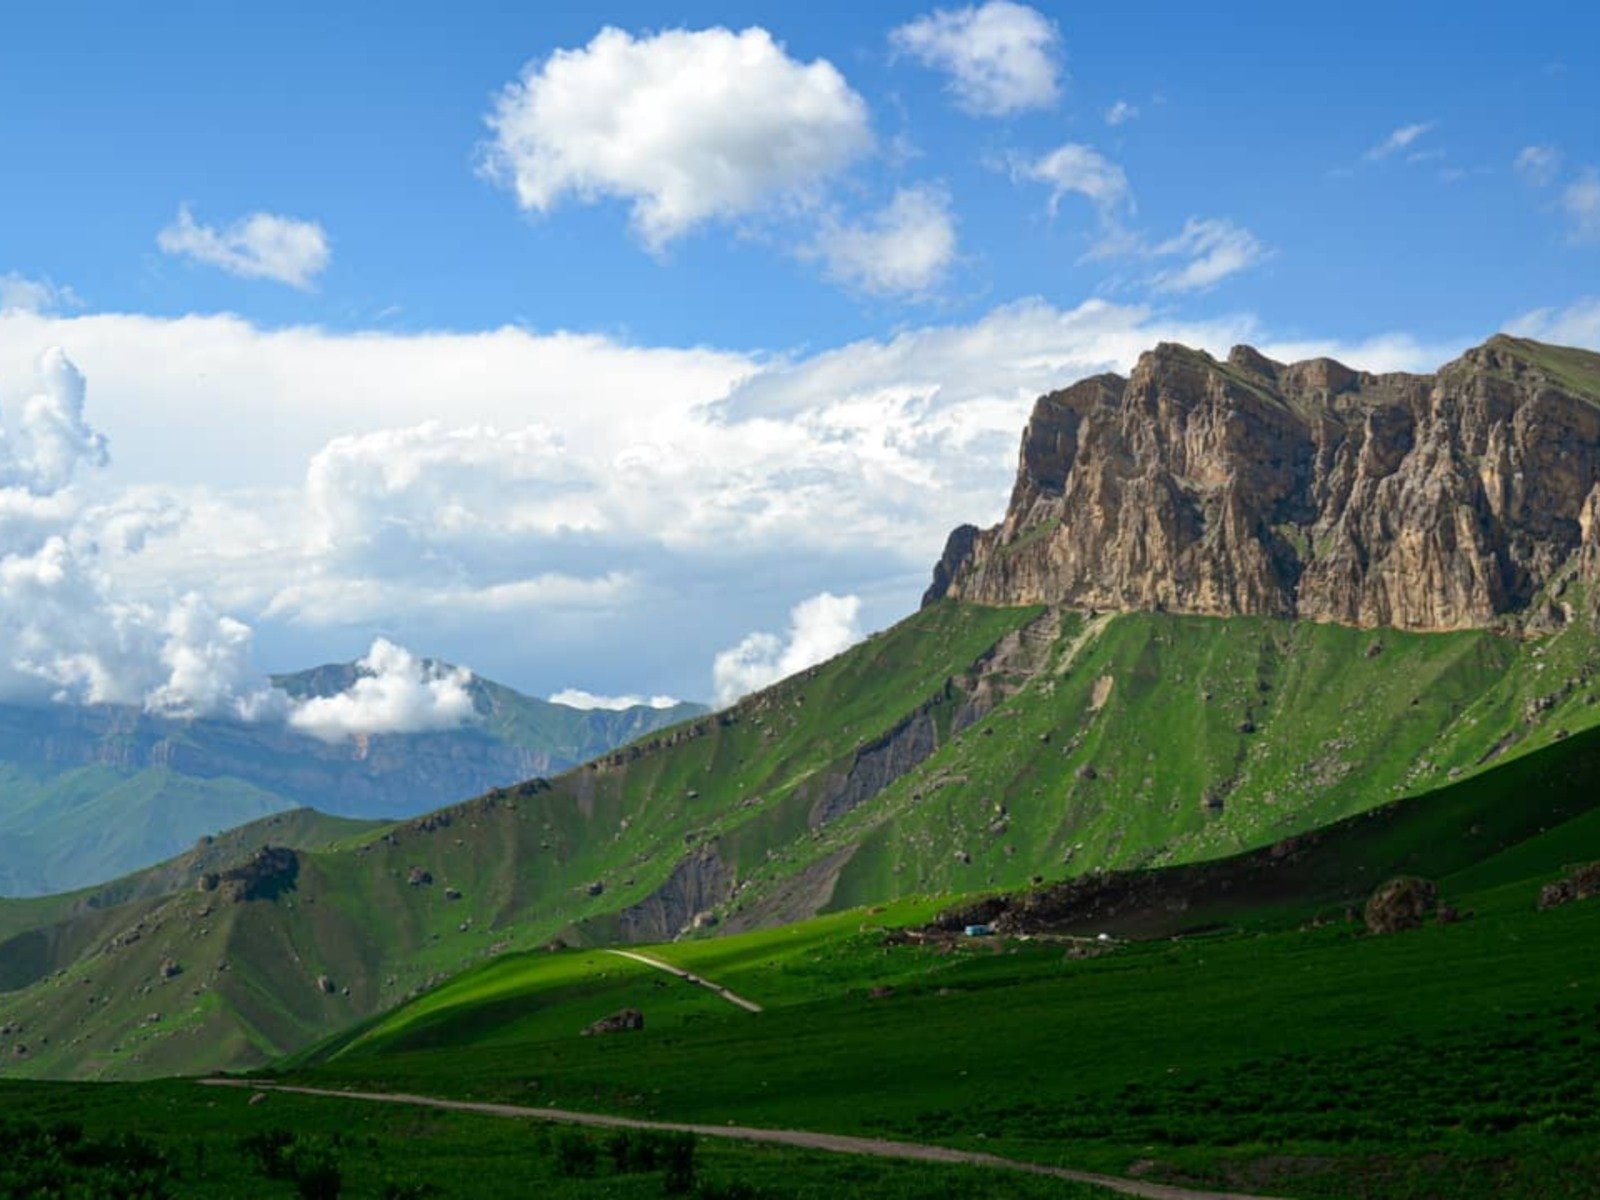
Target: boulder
(626,1021)
(1402,903)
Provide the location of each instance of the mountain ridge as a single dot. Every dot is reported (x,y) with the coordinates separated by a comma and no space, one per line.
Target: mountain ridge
(1469,498)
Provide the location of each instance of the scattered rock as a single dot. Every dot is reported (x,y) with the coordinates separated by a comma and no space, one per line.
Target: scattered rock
(881,992)
(1402,903)
(626,1021)
(169,969)
(451,893)
(1583,883)
(596,888)
(325,985)
(417,877)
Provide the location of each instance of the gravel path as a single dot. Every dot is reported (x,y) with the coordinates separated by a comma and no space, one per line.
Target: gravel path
(730,997)
(834,1143)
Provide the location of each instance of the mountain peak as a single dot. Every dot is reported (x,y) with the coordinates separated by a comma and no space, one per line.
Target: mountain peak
(1309,489)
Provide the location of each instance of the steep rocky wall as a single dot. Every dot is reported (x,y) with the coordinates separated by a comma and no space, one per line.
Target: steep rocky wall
(1249,486)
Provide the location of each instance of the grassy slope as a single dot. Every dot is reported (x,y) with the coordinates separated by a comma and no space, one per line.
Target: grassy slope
(1437,1062)
(1338,727)
(91,823)
(523,859)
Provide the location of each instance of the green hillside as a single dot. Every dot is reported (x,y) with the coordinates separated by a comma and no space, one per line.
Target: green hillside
(965,749)
(1284,1049)
(90,794)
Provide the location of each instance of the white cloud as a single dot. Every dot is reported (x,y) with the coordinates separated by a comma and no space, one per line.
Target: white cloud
(1580,201)
(819,628)
(51,439)
(1400,139)
(1001,57)
(396,692)
(209,671)
(1121,113)
(1215,249)
(578,698)
(904,248)
(1538,165)
(258,246)
(685,126)
(18,293)
(1075,169)
(1576,325)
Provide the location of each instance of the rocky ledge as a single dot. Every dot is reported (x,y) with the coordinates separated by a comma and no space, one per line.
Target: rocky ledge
(1249,486)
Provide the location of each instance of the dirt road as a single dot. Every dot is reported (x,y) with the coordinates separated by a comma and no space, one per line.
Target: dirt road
(833,1143)
(730,997)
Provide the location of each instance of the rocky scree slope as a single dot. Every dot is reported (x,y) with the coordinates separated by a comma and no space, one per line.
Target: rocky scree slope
(1253,487)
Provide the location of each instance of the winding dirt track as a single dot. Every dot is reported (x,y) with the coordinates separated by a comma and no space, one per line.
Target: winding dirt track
(730,997)
(833,1143)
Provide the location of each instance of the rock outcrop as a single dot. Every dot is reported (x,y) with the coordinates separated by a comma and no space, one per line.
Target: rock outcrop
(1248,486)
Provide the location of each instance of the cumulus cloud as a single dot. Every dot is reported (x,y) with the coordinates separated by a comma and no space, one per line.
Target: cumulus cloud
(904,248)
(685,126)
(1538,165)
(261,245)
(819,628)
(1214,249)
(578,698)
(1001,57)
(1400,139)
(396,692)
(18,293)
(1075,169)
(1578,324)
(51,439)
(1580,202)
(66,631)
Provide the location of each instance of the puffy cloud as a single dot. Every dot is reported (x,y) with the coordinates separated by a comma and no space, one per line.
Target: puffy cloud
(819,628)
(685,126)
(258,246)
(578,698)
(1001,57)
(209,670)
(1538,165)
(1576,325)
(52,439)
(20,294)
(1215,249)
(1075,169)
(1121,113)
(396,692)
(1400,139)
(905,248)
(1580,201)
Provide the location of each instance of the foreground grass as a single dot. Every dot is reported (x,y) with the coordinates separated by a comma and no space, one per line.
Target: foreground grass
(208,1142)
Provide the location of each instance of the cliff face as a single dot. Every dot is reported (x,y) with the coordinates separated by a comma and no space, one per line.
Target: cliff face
(1310,490)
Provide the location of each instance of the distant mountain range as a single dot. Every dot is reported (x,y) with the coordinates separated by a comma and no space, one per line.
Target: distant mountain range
(91,793)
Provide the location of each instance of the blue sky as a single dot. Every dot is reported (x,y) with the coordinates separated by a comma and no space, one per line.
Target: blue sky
(360,416)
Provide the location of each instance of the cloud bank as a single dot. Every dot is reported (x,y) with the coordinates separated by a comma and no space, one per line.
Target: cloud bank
(397,692)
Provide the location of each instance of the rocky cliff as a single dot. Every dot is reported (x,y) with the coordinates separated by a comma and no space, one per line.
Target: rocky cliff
(1247,486)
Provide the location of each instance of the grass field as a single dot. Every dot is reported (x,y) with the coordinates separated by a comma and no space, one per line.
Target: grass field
(194,1143)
